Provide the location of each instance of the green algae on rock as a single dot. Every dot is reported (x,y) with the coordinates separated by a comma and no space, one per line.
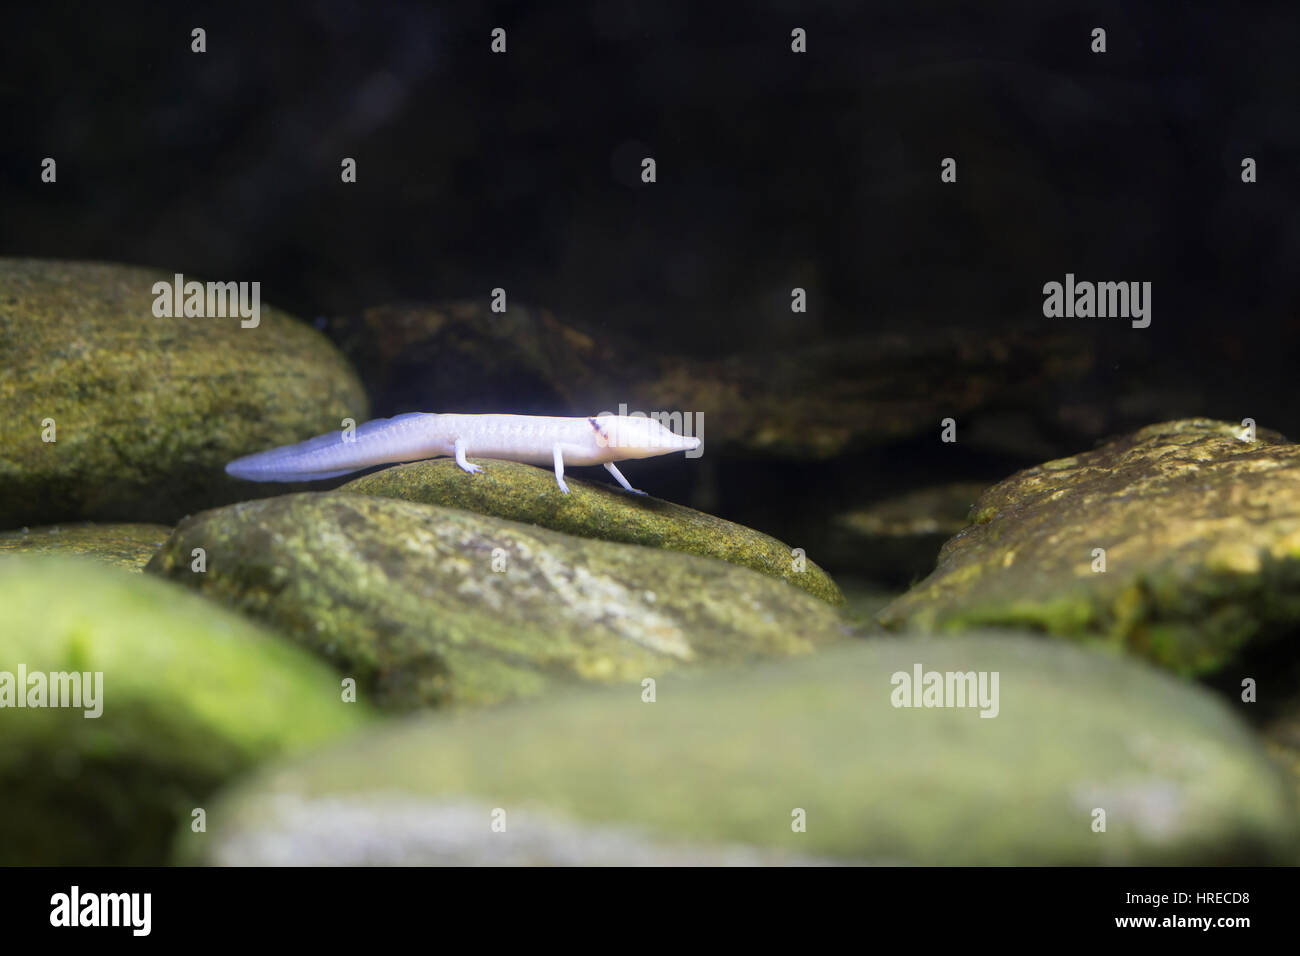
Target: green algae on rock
(718,769)
(191,694)
(427,605)
(1199,532)
(507,489)
(124,545)
(145,411)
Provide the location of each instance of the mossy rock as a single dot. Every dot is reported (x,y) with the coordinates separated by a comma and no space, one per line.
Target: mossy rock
(147,411)
(191,695)
(427,605)
(123,545)
(1201,539)
(717,770)
(507,489)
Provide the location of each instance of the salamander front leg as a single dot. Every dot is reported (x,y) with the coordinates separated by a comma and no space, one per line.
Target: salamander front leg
(559,469)
(613,470)
(459,448)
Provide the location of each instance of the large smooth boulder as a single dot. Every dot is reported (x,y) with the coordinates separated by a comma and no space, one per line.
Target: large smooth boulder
(432,606)
(1089,758)
(507,489)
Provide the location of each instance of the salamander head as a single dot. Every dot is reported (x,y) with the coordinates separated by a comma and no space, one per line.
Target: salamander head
(635,436)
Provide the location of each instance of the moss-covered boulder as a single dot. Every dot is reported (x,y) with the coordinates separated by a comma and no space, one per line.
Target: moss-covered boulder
(507,489)
(430,605)
(1198,532)
(145,411)
(123,545)
(724,769)
(190,695)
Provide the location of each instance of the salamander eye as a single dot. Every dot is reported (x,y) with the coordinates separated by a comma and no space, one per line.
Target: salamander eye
(602,437)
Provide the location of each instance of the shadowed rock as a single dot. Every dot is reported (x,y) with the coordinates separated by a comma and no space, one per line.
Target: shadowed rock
(898,539)
(809,402)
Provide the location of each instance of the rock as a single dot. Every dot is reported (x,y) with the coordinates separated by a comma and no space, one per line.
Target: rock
(1201,533)
(124,545)
(1283,741)
(864,598)
(147,411)
(1281,726)
(506,489)
(462,357)
(191,695)
(716,770)
(404,597)
(823,400)
(898,539)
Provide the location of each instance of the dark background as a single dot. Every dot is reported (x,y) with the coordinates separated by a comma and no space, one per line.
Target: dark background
(774,170)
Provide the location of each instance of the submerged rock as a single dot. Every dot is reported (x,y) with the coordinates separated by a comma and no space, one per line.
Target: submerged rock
(461,356)
(724,769)
(124,545)
(1280,721)
(1282,738)
(190,695)
(507,489)
(898,539)
(145,411)
(436,606)
(864,598)
(822,400)
(1201,539)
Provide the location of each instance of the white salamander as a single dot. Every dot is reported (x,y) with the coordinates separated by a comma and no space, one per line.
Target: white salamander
(535,439)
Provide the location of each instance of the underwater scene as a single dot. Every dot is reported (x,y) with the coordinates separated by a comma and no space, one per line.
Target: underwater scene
(625,434)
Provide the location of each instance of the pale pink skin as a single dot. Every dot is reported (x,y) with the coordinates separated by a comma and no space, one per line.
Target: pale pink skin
(534,439)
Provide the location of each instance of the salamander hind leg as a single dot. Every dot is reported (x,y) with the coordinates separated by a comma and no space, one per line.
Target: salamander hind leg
(613,470)
(559,468)
(460,458)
